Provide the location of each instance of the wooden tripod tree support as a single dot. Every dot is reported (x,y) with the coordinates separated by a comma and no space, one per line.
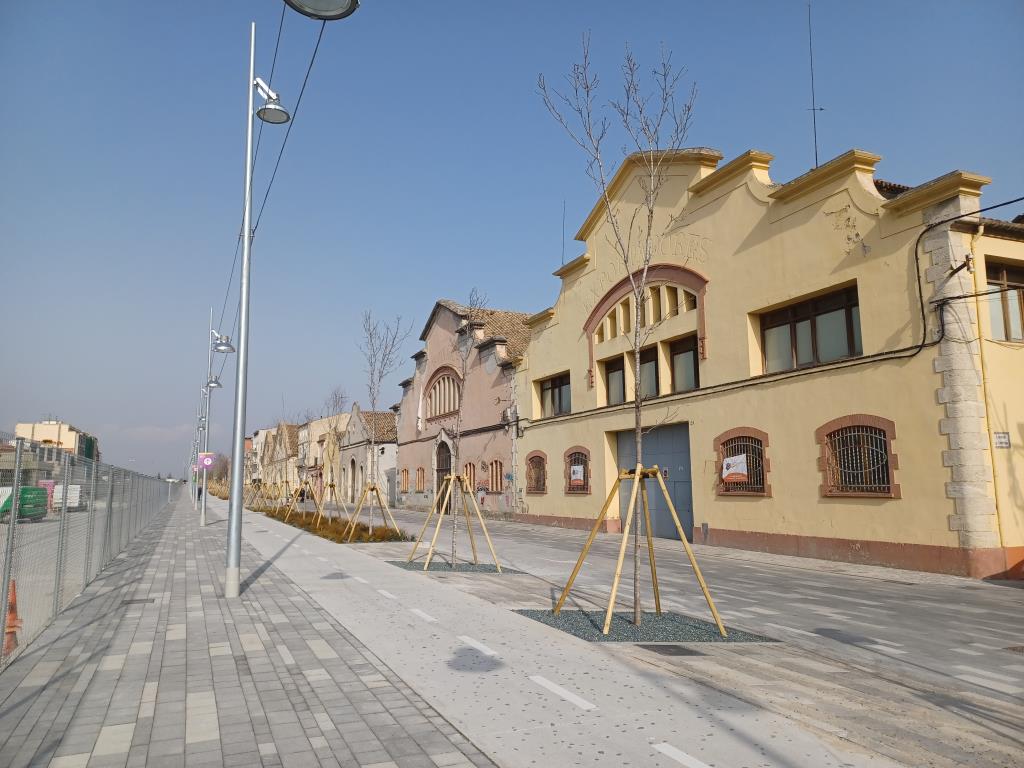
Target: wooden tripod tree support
(639,476)
(445,492)
(330,492)
(295,499)
(370,488)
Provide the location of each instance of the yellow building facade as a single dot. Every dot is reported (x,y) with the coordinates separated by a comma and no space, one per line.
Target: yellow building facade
(828,332)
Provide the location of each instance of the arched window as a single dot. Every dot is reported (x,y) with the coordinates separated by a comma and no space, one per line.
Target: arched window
(420,484)
(469,471)
(536,472)
(741,462)
(857,458)
(577,470)
(496,477)
(443,397)
(405,481)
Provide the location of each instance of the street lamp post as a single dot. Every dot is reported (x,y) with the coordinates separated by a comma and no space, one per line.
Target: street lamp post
(271,112)
(214,343)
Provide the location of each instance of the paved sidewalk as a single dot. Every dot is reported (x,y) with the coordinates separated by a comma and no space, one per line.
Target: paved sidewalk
(151,666)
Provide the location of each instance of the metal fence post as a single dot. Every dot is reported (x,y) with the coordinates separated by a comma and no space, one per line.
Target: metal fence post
(9,548)
(58,584)
(107,535)
(89,533)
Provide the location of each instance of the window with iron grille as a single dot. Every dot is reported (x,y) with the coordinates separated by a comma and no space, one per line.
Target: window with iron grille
(469,471)
(577,471)
(496,479)
(420,480)
(405,481)
(536,474)
(857,458)
(751,444)
(753,449)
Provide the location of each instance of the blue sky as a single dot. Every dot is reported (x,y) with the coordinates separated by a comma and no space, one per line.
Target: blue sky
(422,163)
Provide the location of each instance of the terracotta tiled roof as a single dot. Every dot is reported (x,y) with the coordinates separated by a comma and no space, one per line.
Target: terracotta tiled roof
(890,189)
(381,424)
(497,322)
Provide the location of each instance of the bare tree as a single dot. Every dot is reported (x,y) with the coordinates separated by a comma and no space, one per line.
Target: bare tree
(333,409)
(462,346)
(381,344)
(653,124)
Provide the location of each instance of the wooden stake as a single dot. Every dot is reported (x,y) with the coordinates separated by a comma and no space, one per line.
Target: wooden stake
(447,483)
(466,499)
(650,546)
(590,540)
(351,530)
(637,479)
(487,536)
(693,560)
(423,530)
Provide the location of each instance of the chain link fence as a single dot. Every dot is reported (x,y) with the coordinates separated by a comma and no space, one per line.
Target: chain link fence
(63,518)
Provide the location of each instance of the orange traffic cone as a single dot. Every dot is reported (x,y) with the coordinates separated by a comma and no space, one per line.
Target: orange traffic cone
(13,622)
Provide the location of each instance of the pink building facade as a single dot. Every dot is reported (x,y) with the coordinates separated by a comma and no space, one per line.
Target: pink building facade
(466,363)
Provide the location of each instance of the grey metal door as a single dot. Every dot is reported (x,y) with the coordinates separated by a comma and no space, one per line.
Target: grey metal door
(668,447)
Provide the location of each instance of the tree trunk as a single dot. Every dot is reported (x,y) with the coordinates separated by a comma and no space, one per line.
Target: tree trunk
(638,437)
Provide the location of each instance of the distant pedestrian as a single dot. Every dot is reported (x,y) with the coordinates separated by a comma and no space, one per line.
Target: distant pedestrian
(199,493)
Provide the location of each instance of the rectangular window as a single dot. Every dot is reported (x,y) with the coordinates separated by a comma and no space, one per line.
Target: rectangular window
(649,373)
(615,381)
(1006,308)
(656,304)
(627,318)
(812,332)
(672,295)
(684,365)
(555,396)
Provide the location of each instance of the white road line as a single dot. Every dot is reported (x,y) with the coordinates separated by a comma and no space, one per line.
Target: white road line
(967,652)
(1015,667)
(478,645)
(984,673)
(679,756)
(387,594)
(569,696)
(887,642)
(985,683)
(792,629)
(323,559)
(360,579)
(422,615)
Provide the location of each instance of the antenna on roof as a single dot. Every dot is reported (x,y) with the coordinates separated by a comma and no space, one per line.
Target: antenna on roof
(563,231)
(815,109)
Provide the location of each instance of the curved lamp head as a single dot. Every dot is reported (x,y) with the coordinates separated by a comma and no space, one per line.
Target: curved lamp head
(272,112)
(214,383)
(325,10)
(223,344)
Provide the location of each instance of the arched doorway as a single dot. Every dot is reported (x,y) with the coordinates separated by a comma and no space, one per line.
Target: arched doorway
(444,468)
(352,482)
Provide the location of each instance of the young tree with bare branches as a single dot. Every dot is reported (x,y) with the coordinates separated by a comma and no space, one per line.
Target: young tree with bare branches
(652,117)
(382,342)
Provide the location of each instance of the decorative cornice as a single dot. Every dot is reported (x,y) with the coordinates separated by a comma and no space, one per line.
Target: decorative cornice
(406,382)
(704,156)
(953,184)
(856,160)
(419,355)
(567,269)
(541,317)
(752,159)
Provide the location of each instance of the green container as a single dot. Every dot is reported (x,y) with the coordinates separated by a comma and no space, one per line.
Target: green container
(31,504)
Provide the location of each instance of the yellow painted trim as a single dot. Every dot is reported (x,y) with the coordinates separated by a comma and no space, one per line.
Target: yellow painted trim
(849,162)
(541,317)
(752,159)
(709,158)
(567,269)
(935,191)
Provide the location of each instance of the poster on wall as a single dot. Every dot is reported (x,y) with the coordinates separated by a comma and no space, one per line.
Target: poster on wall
(576,476)
(734,469)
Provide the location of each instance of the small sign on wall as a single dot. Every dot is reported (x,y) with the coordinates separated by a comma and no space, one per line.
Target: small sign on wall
(576,476)
(734,469)
(1001,439)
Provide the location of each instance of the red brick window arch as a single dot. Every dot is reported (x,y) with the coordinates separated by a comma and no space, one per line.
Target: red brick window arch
(857,458)
(537,472)
(751,444)
(577,470)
